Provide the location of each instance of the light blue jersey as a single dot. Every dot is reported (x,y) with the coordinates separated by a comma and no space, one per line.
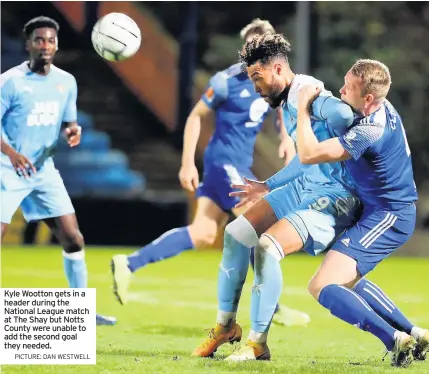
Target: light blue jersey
(318,200)
(330,118)
(33,107)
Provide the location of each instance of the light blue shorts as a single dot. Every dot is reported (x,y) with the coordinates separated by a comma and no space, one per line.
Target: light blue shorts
(319,215)
(40,196)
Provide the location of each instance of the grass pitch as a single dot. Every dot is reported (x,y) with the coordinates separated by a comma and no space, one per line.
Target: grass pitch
(172,302)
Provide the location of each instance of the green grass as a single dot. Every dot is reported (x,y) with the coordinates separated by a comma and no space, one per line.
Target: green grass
(175,300)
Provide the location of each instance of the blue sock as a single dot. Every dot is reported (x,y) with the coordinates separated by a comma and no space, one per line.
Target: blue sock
(75,269)
(267,285)
(232,273)
(382,305)
(169,244)
(351,308)
(252,263)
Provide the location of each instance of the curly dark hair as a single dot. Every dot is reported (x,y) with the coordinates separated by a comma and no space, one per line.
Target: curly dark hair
(264,48)
(39,22)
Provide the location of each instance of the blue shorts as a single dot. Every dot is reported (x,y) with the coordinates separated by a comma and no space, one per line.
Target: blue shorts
(319,216)
(41,196)
(376,236)
(216,184)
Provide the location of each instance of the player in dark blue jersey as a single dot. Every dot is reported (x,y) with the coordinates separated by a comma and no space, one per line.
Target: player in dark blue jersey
(37,99)
(376,151)
(239,112)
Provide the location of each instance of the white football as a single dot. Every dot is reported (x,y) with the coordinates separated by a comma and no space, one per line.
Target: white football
(116,37)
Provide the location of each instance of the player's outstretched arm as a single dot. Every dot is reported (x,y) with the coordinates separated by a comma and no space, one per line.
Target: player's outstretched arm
(252,190)
(188,174)
(310,150)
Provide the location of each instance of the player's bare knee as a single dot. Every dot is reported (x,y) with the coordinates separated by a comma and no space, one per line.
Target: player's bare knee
(315,287)
(203,235)
(207,238)
(73,242)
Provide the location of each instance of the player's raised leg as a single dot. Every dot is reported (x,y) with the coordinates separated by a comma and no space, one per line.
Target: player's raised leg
(388,310)
(201,232)
(66,230)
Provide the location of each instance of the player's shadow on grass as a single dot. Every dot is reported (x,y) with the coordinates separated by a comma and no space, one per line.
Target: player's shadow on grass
(183,331)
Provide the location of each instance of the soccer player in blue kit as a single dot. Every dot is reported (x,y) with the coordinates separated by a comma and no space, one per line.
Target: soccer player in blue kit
(36,99)
(308,213)
(376,151)
(229,156)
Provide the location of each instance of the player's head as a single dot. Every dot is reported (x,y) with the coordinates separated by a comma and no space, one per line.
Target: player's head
(365,84)
(256,27)
(265,59)
(42,39)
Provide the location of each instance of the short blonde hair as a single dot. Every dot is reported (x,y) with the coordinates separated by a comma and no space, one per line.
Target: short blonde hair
(257,27)
(375,77)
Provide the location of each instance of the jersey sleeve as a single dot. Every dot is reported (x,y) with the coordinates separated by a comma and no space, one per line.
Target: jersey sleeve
(283,176)
(7,93)
(70,113)
(217,91)
(361,138)
(338,115)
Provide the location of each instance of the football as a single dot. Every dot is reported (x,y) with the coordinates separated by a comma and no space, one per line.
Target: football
(116,37)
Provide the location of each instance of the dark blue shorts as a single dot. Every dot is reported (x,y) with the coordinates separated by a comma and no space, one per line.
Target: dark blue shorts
(216,184)
(376,236)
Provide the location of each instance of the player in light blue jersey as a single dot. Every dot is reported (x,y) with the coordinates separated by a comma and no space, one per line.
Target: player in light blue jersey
(37,98)
(239,113)
(308,213)
(376,151)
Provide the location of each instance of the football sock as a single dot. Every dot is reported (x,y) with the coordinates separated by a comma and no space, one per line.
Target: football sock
(252,263)
(351,308)
(75,269)
(382,305)
(239,237)
(169,244)
(267,285)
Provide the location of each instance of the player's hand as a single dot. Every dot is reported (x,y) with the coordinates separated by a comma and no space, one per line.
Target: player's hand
(250,192)
(307,94)
(189,178)
(22,165)
(73,134)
